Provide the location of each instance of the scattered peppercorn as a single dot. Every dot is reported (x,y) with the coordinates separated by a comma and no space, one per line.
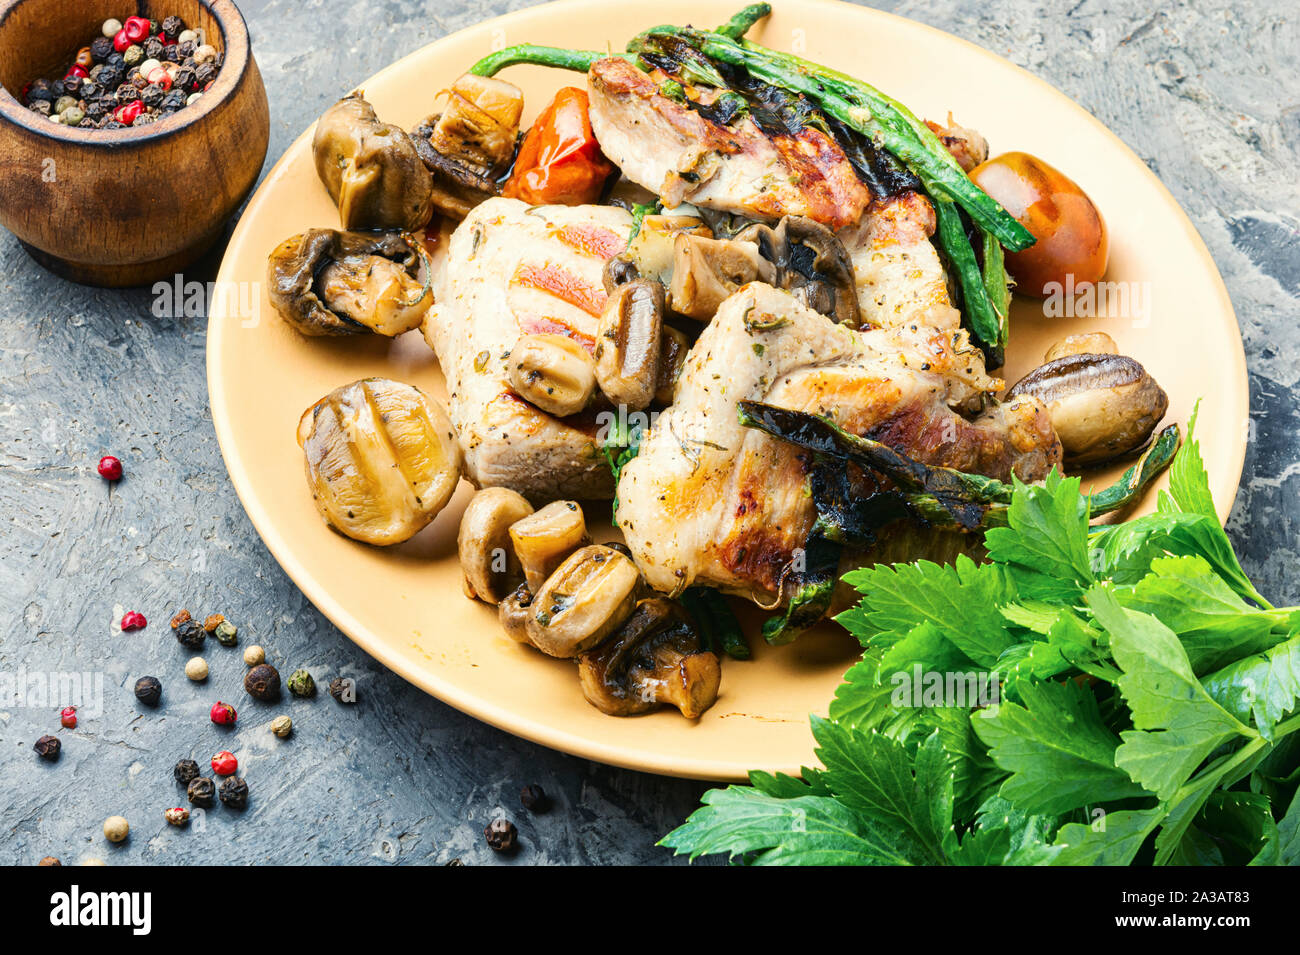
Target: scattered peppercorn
(186,771)
(534,798)
(110,468)
(343,689)
(227,633)
(224,763)
(48,747)
(180,618)
(254,655)
(501,835)
(116,829)
(200,792)
(68,717)
(223,714)
(148,690)
(262,682)
(301,684)
(196,668)
(211,621)
(50,860)
(452,862)
(234,792)
(178,816)
(282,727)
(190,635)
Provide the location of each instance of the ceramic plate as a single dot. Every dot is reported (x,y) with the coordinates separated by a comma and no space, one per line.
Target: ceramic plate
(404,605)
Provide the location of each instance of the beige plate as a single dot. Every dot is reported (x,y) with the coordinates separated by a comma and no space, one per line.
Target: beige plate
(404,605)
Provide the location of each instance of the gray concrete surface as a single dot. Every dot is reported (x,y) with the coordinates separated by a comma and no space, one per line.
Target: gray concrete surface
(1207,93)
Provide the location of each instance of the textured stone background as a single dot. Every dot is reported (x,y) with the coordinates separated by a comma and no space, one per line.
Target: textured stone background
(1205,92)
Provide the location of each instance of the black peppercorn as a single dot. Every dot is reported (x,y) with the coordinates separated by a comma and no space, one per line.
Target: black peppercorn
(343,689)
(101,48)
(95,110)
(110,78)
(234,792)
(172,27)
(153,48)
(262,682)
(48,747)
(89,90)
(189,633)
(185,50)
(41,90)
(534,798)
(42,106)
(148,690)
(501,835)
(170,53)
(116,60)
(72,84)
(200,792)
(206,73)
(172,101)
(455,861)
(186,771)
(137,80)
(152,95)
(126,93)
(114,124)
(184,79)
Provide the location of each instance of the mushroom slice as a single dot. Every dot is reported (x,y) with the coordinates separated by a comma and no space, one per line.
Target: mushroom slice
(653,248)
(545,538)
(382,459)
(487,556)
(513,613)
(1089,343)
(371,169)
(325,282)
(553,372)
(654,658)
(480,125)
(1102,406)
(706,271)
(628,344)
(583,602)
(674,346)
(812,265)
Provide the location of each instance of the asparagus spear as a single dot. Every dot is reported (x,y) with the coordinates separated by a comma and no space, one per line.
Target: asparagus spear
(739,25)
(558,57)
(987,325)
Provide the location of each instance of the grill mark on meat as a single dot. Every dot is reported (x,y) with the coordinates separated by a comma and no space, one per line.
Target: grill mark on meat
(561,283)
(594,241)
(533,324)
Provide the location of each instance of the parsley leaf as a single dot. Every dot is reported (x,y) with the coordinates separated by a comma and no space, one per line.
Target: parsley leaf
(1045,542)
(1265,686)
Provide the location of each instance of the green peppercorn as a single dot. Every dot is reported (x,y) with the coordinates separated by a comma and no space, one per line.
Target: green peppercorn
(227,633)
(262,682)
(234,792)
(200,792)
(177,816)
(64,103)
(148,690)
(188,633)
(133,55)
(301,684)
(74,115)
(186,771)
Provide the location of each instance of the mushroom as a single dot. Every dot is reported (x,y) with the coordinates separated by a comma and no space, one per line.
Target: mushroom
(371,169)
(619,270)
(382,459)
(656,657)
(545,538)
(628,343)
(553,372)
(583,601)
(325,282)
(513,613)
(706,271)
(1102,406)
(487,556)
(812,265)
(1089,343)
(674,346)
(653,249)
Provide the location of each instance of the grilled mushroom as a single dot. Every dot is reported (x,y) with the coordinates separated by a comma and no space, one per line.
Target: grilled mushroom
(325,282)
(585,600)
(706,271)
(674,346)
(1089,343)
(513,613)
(655,658)
(812,265)
(487,556)
(628,344)
(1102,406)
(371,169)
(653,248)
(544,539)
(553,372)
(382,459)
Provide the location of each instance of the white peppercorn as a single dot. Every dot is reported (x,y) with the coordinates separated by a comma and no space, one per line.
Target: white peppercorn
(111,28)
(254,655)
(197,669)
(116,828)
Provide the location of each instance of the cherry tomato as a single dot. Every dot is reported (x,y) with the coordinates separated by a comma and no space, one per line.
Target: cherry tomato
(560,161)
(1071,233)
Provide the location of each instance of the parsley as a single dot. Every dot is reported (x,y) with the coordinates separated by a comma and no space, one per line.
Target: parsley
(1148,710)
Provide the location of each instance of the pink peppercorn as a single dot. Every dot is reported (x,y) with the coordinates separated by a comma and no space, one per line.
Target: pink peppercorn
(224,763)
(68,717)
(223,714)
(110,468)
(133,621)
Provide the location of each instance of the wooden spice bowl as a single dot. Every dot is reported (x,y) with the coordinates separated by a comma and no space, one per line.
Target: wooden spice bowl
(125,206)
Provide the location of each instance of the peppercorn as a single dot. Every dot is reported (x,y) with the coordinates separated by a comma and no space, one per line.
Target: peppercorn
(180,618)
(211,620)
(133,55)
(117,61)
(188,36)
(100,48)
(40,90)
(196,668)
(223,714)
(116,829)
(74,115)
(68,718)
(85,59)
(343,689)
(137,29)
(90,90)
(200,792)
(282,726)
(172,27)
(152,96)
(86,123)
(501,835)
(189,634)
(227,633)
(145,118)
(126,94)
(95,111)
(41,106)
(453,862)
(206,73)
(48,747)
(71,85)
(170,53)
(224,763)
(534,798)
(148,690)
(234,792)
(185,79)
(110,78)
(173,101)
(111,28)
(179,816)
(301,684)
(262,682)
(50,860)
(254,655)
(153,48)
(184,47)
(186,771)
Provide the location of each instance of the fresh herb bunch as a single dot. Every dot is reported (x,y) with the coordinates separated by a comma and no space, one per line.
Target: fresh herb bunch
(1146,706)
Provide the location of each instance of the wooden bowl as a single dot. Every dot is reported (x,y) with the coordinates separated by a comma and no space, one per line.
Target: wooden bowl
(125,206)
